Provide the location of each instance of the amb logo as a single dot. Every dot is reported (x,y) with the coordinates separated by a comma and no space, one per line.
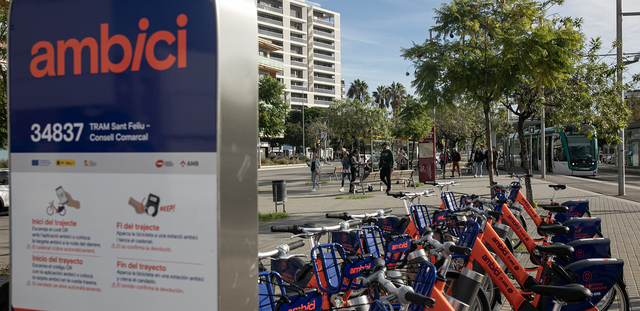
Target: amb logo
(49,57)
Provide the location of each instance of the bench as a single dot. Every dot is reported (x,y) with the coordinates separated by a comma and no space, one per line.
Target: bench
(336,173)
(464,167)
(406,176)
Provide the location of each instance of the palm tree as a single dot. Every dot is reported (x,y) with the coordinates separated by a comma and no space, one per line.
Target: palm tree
(397,93)
(358,90)
(381,96)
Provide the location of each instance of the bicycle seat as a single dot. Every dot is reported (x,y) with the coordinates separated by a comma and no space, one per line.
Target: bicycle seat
(553,229)
(556,187)
(558,249)
(561,209)
(566,293)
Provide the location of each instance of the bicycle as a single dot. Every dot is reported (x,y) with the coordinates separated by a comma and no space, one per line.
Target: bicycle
(53,209)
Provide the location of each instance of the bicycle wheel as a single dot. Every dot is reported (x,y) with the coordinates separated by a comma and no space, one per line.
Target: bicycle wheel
(50,210)
(617,299)
(491,292)
(480,302)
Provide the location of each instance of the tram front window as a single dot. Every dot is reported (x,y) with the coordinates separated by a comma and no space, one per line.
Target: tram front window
(581,151)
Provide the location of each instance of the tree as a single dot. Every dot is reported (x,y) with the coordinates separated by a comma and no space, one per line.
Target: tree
(358,90)
(381,96)
(415,120)
(484,49)
(355,118)
(272,110)
(397,92)
(293,131)
(4,12)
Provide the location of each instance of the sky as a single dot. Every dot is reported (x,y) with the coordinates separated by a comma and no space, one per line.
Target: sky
(374,31)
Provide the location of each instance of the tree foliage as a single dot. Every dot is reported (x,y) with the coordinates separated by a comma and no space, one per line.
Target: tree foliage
(415,120)
(355,118)
(484,49)
(4,13)
(358,90)
(272,110)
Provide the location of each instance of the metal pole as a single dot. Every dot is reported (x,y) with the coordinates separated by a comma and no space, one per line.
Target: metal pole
(543,141)
(304,147)
(621,168)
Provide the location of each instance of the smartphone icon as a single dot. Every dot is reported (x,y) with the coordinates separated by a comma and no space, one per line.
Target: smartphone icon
(62,196)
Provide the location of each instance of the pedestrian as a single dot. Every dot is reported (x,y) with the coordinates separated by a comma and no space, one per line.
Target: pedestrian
(495,161)
(443,160)
(386,165)
(315,170)
(455,158)
(353,161)
(403,160)
(478,157)
(346,168)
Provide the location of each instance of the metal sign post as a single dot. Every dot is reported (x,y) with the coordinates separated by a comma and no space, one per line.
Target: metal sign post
(132,159)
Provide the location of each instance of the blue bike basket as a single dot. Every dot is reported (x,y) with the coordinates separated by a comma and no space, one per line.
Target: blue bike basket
(372,241)
(327,269)
(499,196)
(424,282)
(449,201)
(469,234)
(266,293)
(397,249)
(514,192)
(420,215)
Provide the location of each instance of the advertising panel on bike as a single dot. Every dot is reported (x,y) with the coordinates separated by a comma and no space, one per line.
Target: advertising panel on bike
(114,160)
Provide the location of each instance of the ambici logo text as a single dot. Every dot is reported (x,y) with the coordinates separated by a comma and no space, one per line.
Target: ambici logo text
(49,60)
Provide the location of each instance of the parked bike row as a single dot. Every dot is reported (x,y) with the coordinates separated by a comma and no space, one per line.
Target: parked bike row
(461,256)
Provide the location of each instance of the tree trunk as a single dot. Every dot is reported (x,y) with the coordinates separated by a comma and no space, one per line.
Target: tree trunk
(487,121)
(524,149)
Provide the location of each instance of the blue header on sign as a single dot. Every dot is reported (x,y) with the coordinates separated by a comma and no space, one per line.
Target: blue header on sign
(113,76)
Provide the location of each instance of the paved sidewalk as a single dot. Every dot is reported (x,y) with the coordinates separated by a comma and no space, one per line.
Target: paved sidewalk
(620,218)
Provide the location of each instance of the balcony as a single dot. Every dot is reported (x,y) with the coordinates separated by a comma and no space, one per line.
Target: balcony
(296,39)
(270,62)
(324,91)
(325,68)
(322,56)
(299,87)
(320,21)
(322,45)
(298,100)
(322,102)
(269,33)
(293,76)
(299,64)
(269,21)
(325,34)
(326,80)
(277,59)
(269,8)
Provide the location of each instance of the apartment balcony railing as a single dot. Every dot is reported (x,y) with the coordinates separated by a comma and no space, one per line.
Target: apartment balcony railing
(325,68)
(324,91)
(269,33)
(323,45)
(298,100)
(279,74)
(270,62)
(299,87)
(269,20)
(299,64)
(322,33)
(296,39)
(322,102)
(322,22)
(322,56)
(269,8)
(321,79)
(277,59)
(296,76)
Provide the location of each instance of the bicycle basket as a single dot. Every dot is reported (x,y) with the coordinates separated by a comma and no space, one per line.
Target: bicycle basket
(266,294)
(449,201)
(424,282)
(420,215)
(469,234)
(372,241)
(327,268)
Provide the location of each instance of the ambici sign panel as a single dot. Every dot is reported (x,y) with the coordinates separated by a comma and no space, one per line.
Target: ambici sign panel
(113,154)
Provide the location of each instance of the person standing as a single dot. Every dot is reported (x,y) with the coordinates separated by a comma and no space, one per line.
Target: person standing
(315,170)
(455,158)
(353,161)
(478,157)
(346,168)
(495,161)
(403,160)
(386,165)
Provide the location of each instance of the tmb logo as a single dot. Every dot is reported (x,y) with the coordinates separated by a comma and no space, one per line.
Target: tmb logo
(159,163)
(46,56)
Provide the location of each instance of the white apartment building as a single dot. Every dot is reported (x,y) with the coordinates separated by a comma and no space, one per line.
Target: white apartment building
(310,56)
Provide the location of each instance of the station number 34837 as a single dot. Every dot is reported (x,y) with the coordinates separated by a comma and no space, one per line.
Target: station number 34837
(56,132)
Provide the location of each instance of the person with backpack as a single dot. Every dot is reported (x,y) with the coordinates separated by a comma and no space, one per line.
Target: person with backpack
(455,158)
(478,158)
(386,166)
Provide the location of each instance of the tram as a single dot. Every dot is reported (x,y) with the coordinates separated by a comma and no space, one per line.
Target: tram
(568,151)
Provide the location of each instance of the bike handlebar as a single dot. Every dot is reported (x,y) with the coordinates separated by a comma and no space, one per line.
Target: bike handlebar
(420,300)
(343,216)
(282,249)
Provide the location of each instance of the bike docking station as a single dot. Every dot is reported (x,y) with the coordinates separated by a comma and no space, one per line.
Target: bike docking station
(140,118)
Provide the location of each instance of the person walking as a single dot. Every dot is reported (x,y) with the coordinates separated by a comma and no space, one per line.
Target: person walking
(346,168)
(386,165)
(478,157)
(455,158)
(353,161)
(495,161)
(315,170)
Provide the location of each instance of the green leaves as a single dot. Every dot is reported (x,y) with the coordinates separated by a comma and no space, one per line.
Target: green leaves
(272,110)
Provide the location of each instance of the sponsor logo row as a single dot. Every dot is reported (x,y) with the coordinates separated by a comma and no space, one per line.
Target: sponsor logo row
(72,162)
